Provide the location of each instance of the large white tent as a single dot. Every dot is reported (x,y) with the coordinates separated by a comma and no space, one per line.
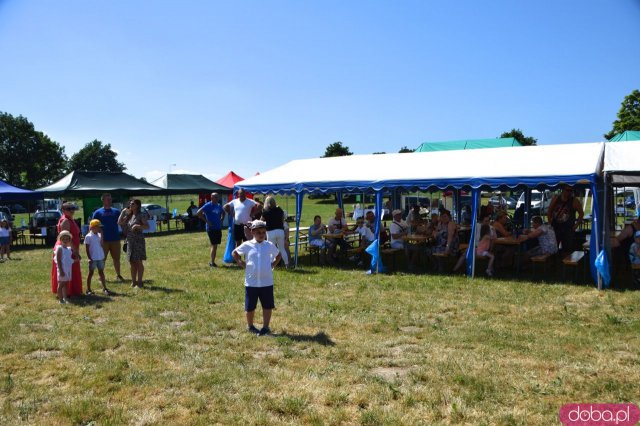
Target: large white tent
(530,167)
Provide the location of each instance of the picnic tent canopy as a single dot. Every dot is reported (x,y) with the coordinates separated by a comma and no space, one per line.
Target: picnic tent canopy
(468,144)
(13,193)
(528,166)
(189,184)
(229,180)
(95,183)
(622,163)
(629,135)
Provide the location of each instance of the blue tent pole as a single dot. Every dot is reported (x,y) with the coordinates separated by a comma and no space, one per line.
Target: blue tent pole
(471,250)
(299,197)
(597,229)
(378,213)
(340,201)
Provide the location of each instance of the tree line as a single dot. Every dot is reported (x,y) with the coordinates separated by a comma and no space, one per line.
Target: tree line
(30,159)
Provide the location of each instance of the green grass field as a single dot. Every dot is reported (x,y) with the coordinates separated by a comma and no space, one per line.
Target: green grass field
(348,348)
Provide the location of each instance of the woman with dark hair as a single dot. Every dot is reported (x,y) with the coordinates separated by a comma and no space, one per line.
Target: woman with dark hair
(273,215)
(133,222)
(66,223)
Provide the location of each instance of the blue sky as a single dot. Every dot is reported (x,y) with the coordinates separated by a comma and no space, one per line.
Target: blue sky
(211,86)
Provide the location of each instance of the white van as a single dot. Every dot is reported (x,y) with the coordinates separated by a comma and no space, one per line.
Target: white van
(539,201)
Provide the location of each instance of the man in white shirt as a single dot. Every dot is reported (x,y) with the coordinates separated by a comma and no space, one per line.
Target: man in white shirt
(241,208)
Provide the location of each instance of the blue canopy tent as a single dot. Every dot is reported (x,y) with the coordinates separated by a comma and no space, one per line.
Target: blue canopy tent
(13,193)
(470,170)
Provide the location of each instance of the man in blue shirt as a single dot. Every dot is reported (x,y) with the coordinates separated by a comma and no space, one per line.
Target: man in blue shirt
(108,216)
(213,214)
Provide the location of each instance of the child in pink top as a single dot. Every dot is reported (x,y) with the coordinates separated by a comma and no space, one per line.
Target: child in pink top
(484,246)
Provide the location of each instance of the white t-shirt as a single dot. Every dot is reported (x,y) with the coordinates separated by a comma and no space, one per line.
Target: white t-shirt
(335,225)
(258,257)
(242,210)
(397,228)
(366,234)
(4,232)
(95,245)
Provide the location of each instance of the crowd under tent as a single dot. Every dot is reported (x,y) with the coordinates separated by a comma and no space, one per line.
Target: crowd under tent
(621,168)
(529,167)
(468,144)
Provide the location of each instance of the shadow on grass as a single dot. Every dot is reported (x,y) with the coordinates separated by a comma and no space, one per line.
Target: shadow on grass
(300,271)
(320,337)
(90,300)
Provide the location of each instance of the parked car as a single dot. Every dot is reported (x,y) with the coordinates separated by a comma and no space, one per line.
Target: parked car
(48,218)
(156,210)
(630,202)
(497,201)
(7,212)
(539,201)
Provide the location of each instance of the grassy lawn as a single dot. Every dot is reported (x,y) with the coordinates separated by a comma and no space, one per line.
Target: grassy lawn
(348,348)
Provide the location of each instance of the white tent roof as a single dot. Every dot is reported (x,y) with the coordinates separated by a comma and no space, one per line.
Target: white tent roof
(622,162)
(529,165)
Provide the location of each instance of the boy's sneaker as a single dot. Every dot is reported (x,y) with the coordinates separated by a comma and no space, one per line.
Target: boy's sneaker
(264,331)
(89,293)
(253,329)
(213,264)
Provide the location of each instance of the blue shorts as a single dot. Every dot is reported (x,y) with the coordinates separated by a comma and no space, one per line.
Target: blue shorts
(4,241)
(252,294)
(93,264)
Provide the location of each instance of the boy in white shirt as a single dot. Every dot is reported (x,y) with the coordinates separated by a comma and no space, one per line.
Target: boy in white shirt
(261,256)
(95,254)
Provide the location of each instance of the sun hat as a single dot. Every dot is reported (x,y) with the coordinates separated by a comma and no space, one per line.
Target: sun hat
(258,224)
(94,222)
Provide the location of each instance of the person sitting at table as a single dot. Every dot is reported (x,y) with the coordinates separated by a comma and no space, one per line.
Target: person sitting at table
(562,216)
(446,235)
(315,233)
(413,218)
(500,224)
(366,238)
(370,220)
(484,220)
(398,229)
(547,243)
(504,253)
(484,247)
(337,225)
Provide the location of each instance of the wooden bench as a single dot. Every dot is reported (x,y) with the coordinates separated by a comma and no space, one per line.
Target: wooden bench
(391,252)
(572,261)
(541,259)
(444,261)
(38,237)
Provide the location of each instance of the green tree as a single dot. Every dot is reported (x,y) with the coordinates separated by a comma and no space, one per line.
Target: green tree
(405,150)
(28,157)
(520,137)
(336,149)
(96,157)
(628,116)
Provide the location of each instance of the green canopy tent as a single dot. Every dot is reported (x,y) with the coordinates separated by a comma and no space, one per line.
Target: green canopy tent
(468,144)
(91,185)
(629,135)
(189,184)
